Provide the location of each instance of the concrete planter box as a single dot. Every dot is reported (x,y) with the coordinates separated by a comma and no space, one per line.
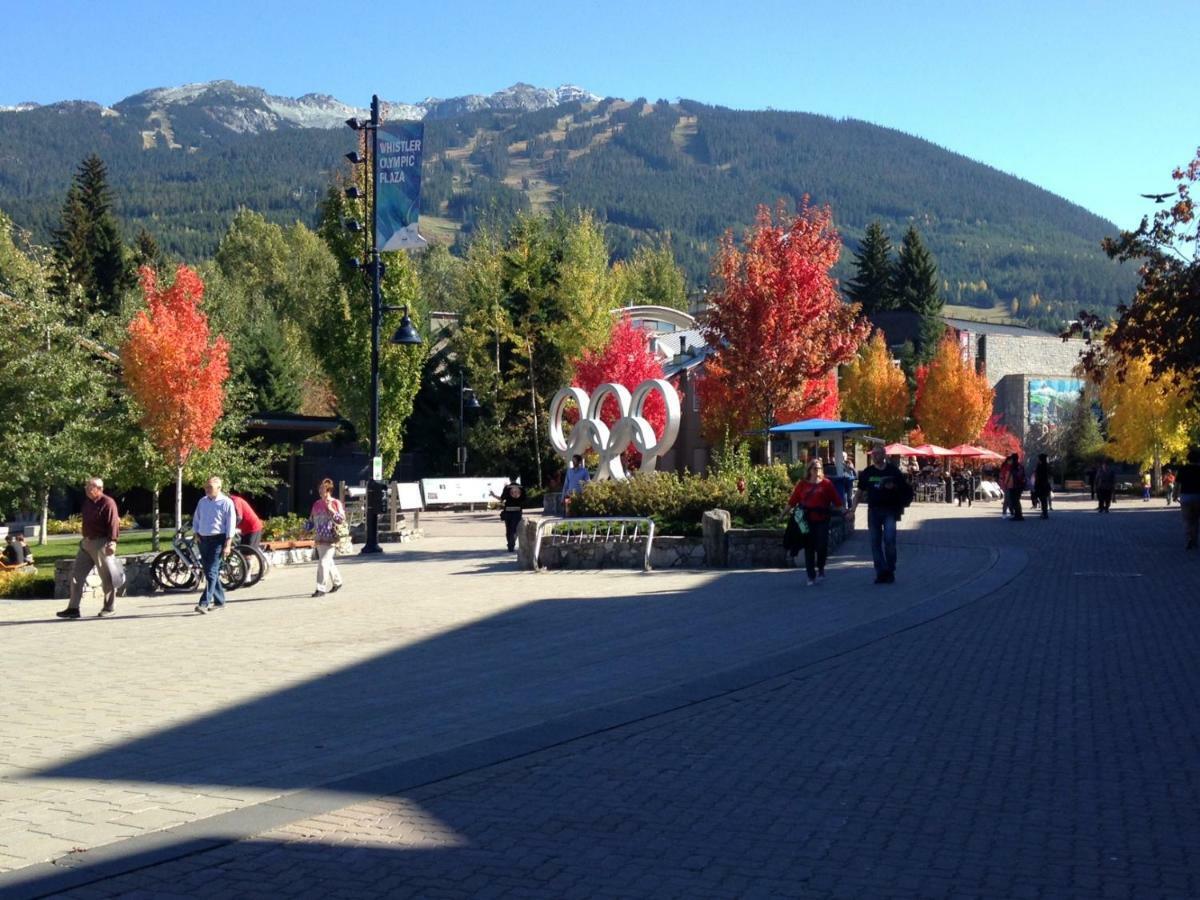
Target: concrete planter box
(721,547)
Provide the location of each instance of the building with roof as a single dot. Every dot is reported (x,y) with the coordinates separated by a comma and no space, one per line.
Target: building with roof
(676,339)
(1032,372)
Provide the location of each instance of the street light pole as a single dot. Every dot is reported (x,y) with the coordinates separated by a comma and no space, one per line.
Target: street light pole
(462,450)
(406,334)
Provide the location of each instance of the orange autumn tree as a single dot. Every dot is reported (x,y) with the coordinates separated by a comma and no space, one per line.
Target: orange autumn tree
(174,372)
(778,322)
(953,401)
(875,391)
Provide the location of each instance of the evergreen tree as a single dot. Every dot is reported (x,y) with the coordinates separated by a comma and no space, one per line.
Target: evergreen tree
(146,251)
(915,287)
(88,250)
(873,276)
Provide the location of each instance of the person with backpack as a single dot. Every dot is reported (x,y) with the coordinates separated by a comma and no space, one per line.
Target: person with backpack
(1041,484)
(887,493)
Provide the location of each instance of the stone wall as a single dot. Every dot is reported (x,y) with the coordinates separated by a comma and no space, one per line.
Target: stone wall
(720,547)
(1041,356)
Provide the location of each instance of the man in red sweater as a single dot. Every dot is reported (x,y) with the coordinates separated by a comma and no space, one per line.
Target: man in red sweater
(101,528)
(248,522)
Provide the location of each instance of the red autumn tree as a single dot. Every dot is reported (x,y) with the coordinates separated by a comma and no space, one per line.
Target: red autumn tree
(997,438)
(626,360)
(779,323)
(174,372)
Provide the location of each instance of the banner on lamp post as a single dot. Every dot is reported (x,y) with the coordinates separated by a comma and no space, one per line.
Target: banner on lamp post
(398,185)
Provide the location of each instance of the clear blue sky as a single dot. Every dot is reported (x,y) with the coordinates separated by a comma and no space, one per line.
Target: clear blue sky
(1092,100)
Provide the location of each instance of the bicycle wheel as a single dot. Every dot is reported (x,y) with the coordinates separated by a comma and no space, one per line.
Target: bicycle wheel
(233,570)
(170,573)
(257,564)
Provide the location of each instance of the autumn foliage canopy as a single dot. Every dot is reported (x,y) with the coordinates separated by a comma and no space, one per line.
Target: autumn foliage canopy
(626,360)
(779,323)
(173,370)
(953,401)
(875,391)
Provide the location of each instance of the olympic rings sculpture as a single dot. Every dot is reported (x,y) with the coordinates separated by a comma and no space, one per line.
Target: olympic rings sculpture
(590,433)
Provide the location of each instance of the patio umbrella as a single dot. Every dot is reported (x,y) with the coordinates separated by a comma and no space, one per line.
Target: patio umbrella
(899,450)
(932,450)
(985,453)
(968,450)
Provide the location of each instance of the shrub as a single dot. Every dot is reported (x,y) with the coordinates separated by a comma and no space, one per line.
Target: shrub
(676,502)
(74,524)
(284,528)
(22,585)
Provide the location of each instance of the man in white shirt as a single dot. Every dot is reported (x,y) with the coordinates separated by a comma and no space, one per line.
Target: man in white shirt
(214,523)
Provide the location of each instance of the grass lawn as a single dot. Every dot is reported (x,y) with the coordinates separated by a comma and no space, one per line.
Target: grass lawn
(64,546)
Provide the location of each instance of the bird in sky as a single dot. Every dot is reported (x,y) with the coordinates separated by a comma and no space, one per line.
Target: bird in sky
(1159,198)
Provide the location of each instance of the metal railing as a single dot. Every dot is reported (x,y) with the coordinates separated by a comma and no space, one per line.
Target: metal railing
(597,530)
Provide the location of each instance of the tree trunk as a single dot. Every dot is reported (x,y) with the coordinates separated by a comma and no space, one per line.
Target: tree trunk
(537,438)
(179,498)
(154,509)
(1156,477)
(43,538)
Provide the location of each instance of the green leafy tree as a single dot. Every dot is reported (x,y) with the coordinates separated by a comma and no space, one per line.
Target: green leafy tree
(54,387)
(651,277)
(146,251)
(537,299)
(915,287)
(1081,443)
(872,284)
(89,253)
(339,316)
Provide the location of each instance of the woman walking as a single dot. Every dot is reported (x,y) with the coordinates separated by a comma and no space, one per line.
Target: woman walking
(816,497)
(327,512)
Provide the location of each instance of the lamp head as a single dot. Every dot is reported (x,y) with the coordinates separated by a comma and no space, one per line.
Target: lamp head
(406,334)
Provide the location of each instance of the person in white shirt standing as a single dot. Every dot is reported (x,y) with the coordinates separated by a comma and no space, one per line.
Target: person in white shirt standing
(214,524)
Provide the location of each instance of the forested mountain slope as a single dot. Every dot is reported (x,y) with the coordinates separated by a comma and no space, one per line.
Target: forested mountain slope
(181,168)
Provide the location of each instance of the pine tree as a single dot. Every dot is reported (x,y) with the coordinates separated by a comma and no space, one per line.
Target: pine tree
(146,251)
(87,244)
(915,286)
(872,282)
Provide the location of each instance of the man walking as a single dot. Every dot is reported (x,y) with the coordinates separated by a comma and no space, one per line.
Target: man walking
(214,524)
(1106,482)
(101,528)
(1041,484)
(1188,483)
(887,493)
(248,522)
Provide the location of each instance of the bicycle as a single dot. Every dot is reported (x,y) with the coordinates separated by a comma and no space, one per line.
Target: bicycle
(180,569)
(257,562)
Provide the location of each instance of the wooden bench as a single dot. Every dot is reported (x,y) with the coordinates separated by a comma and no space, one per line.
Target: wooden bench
(1074,484)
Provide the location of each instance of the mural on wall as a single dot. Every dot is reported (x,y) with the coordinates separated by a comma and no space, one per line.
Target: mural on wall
(1050,399)
(590,433)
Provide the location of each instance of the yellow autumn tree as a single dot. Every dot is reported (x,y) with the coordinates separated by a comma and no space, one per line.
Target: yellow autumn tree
(1148,418)
(874,390)
(953,400)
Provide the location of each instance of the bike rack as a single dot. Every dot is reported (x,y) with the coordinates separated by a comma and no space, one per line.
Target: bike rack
(595,530)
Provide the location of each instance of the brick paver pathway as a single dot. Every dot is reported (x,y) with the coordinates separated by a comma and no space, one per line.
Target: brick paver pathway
(1033,737)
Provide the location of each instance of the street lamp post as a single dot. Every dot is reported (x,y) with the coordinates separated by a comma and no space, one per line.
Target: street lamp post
(471,402)
(405,334)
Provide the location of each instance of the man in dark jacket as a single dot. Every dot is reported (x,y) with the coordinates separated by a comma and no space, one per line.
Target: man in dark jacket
(1041,484)
(1187,484)
(101,528)
(1106,482)
(887,493)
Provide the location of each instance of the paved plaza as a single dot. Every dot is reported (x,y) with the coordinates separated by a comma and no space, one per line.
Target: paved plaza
(1015,717)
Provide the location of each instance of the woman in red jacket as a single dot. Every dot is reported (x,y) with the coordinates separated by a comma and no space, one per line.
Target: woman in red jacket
(817,497)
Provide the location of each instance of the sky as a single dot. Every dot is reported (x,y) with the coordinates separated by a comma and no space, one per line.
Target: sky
(1091,100)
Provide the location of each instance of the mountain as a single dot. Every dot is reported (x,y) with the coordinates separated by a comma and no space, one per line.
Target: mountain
(182,160)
